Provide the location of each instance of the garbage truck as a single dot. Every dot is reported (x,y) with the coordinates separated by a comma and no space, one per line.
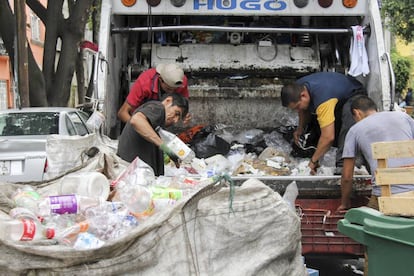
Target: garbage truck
(237,55)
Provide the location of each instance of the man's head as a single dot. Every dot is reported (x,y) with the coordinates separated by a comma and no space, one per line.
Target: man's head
(295,97)
(362,106)
(176,108)
(171,76)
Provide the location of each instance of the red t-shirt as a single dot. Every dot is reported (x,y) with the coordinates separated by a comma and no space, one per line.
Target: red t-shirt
(146,88)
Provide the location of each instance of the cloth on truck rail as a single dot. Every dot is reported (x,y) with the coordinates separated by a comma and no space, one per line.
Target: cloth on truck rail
(198,236)
(358,52)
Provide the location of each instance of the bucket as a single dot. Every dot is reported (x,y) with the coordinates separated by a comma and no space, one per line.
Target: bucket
(90,184)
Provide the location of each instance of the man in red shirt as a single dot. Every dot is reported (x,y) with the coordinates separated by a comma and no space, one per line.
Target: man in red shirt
(152,84)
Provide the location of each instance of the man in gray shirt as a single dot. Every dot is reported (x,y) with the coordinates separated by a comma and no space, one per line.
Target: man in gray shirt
(373,126)
(139,137)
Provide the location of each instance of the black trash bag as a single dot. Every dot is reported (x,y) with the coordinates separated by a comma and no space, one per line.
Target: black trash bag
(210,145)
(256,148)
(206,144)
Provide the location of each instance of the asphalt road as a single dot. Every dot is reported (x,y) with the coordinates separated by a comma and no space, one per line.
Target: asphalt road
(337,266)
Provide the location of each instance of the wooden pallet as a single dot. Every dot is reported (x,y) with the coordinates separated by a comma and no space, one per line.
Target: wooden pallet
(400,204)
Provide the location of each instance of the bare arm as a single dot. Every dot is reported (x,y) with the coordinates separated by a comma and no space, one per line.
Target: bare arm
(304,118)
(141,125)
(324,144)
(124,113)
(346,183)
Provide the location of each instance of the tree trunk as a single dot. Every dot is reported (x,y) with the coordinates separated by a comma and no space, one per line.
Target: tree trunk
(37,89)
(80,77)
(59,85)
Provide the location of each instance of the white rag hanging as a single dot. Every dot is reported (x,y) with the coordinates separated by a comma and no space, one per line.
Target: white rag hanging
(358,52)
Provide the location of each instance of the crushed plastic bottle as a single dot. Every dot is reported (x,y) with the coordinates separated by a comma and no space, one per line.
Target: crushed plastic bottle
(110,221)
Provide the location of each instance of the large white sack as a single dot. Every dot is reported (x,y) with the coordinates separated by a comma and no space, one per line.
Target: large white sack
(199,236)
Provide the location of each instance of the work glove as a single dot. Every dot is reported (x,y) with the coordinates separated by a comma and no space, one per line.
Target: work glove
(170,154)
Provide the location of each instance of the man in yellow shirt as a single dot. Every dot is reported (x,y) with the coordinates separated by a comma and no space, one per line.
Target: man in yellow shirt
(326,96)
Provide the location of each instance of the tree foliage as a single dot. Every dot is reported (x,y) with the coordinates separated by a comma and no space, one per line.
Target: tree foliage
(401,17)
(52,85)
(402,67)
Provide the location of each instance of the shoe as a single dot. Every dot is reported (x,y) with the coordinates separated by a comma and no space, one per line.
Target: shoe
(338,171)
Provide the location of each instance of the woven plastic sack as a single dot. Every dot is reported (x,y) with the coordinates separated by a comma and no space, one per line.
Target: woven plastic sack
(259,235)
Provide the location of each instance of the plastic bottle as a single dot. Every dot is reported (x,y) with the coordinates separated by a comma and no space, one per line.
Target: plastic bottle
(137,198)
(22,213)
(164,197)
(62,204)
(26,197)
(91,184)
(109,221)
(24,230)
(176,145)
(69,234)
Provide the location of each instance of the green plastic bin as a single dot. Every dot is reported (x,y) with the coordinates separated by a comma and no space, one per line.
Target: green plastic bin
(389,240)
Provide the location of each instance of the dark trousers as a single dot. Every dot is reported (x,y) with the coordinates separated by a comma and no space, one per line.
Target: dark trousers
(347,121)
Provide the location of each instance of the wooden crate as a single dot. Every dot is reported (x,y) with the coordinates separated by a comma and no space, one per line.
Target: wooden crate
(409,110)
(400,204)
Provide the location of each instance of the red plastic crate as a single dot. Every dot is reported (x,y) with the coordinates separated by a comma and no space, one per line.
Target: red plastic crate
(320,234)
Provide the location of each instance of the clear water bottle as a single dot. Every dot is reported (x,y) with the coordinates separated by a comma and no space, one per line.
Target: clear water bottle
(180,149)
(22,213)
(66,204)
(24,230)
(137,198)
(26,197)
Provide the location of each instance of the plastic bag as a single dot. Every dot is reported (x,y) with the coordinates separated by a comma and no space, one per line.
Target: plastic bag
(209,146)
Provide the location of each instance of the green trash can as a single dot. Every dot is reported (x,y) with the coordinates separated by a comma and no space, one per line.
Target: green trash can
(389,240)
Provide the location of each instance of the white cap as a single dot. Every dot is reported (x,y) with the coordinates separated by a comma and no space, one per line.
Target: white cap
(171,74)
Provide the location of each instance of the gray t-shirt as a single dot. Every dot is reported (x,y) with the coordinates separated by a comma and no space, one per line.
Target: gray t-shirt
(379,127)
(131,144)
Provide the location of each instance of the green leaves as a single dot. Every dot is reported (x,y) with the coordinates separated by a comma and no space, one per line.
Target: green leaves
(400,13)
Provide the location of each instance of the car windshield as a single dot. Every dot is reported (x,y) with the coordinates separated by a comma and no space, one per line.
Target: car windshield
(36,123)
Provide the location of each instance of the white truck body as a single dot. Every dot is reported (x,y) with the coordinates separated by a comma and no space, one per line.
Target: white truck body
(237,54)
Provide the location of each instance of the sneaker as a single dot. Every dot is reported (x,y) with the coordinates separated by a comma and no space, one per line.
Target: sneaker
(338,171)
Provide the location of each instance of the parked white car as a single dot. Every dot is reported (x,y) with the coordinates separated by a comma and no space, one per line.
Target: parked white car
(23,134)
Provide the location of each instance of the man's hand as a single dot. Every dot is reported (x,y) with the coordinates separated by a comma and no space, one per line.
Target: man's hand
(296,135)
(343,207)
(187,119)
(170,154)
(313,165)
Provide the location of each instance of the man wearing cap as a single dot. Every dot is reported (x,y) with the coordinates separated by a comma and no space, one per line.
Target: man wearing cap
(152,84)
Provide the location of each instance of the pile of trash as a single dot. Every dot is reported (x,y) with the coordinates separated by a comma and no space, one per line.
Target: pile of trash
(252,152)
